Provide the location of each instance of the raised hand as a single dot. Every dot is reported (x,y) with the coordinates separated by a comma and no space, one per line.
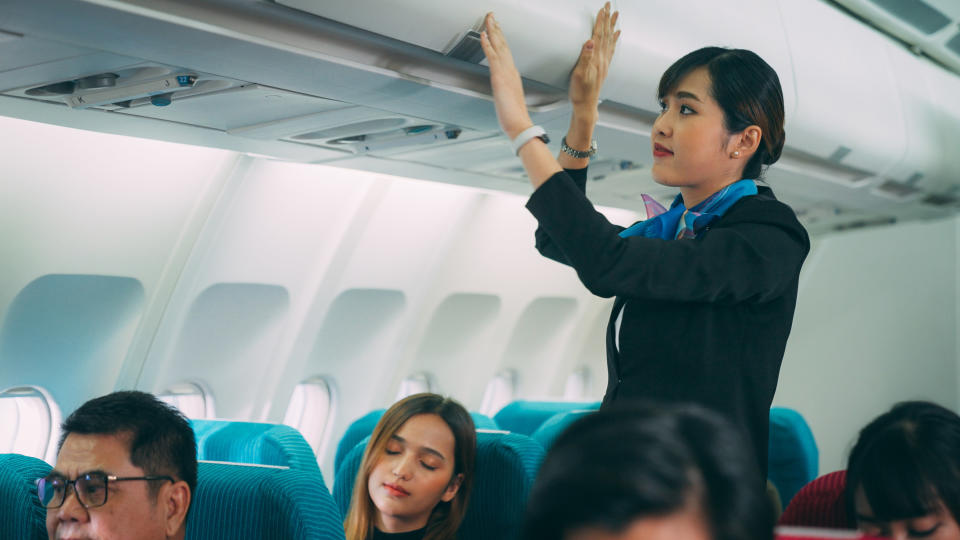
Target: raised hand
(505,80)
(594,62)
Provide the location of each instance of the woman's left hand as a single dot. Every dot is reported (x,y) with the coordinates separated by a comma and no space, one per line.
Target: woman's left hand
(505,80)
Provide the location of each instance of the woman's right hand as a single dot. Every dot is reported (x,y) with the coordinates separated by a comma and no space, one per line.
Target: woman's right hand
(588,75)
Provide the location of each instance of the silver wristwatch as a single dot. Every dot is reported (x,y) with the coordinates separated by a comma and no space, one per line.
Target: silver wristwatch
(579,154)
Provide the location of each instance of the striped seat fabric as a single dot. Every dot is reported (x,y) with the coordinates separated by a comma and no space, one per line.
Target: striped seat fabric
(819,504)
(253,442)
(506,466)
(21,515)
(526,416)
(253,501)
(555,425)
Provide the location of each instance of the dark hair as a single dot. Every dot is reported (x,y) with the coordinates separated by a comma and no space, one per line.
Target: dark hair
(746,88)
(907,461)
(446,516)
(626,463)
(161,439)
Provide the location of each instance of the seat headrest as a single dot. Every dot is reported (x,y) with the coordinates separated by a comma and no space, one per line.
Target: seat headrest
(793,457)
(253,442)
(21,514)
(526,416)
(555,425)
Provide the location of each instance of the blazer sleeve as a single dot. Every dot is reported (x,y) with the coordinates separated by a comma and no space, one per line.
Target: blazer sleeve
(544,244)
(743,261)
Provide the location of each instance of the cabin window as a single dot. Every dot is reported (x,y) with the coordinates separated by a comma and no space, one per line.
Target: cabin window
(192,399)
(500,391)
(311,410)
(578,385)
(29,422)
(416,384)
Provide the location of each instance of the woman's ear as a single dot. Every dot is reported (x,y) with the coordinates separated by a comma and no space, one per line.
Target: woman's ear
(748,141)
(452,488)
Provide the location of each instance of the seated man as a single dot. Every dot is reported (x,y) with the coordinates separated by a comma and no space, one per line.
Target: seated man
(132,463)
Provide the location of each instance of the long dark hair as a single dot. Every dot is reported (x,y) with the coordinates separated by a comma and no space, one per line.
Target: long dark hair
(446,516)
(907,462)
(636,461)
(747,90)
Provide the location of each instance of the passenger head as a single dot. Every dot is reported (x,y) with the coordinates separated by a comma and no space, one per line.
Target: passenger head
(722,114)
(903,475)
(133,461)
(644,472)
(417,470)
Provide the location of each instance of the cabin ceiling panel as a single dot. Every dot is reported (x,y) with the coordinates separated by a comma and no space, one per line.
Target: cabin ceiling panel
(237,107)
(73,67)
(18,51)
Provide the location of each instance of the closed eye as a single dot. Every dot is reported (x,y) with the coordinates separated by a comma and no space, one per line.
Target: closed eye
(925,533)
(428,467)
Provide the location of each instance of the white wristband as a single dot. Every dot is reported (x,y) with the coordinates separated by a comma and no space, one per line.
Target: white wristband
(525,136)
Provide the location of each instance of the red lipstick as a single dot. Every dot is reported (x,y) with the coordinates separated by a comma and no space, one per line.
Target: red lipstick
(396,490)
(660,150)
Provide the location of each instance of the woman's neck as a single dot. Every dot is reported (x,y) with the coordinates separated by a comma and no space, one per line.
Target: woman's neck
(694,195)
(394,524)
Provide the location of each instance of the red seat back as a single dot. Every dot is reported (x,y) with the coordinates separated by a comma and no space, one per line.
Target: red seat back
(819,504)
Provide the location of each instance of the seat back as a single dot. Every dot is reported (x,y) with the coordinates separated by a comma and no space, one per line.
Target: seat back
(819,504)
(526,416)
(254,443)
(21,514)
(555,425)
(793,458)
(358,430)
(362,427)
(235,500)
(505,469)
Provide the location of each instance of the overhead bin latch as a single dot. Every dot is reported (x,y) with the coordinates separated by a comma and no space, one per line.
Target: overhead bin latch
(468,48)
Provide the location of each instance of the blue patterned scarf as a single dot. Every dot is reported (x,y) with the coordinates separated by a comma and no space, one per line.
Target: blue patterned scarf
(665,224)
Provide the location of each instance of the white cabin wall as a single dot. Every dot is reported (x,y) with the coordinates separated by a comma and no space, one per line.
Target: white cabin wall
(92,219)
(875,324)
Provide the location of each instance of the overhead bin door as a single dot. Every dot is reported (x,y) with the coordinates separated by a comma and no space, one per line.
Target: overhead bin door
(546,36)
(849,107)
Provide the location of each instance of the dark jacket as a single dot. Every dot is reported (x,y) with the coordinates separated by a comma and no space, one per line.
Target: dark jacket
(705,320)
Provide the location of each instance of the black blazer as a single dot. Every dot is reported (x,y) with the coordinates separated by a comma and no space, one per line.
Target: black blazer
(705,320)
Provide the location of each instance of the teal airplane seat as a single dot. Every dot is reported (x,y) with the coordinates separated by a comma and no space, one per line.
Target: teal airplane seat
(555,425)
(793,457)
(505,469)
(254,443)
(235,500)
(526,416)
(362,427)
(21,514)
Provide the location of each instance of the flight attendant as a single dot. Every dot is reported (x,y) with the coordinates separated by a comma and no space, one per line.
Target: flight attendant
(705,290)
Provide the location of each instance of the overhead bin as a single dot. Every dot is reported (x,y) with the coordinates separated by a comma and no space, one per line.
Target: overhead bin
(654,35)
(849,107)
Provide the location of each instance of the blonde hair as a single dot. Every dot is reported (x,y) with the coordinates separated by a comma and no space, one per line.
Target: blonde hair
(446,517)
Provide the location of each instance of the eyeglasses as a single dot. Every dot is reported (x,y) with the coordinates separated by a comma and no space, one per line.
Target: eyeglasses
(90,488)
